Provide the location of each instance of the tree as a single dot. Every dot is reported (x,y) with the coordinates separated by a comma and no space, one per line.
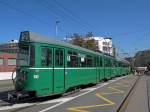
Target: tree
(77,39)
(91,44)
(89,34)
(86,41)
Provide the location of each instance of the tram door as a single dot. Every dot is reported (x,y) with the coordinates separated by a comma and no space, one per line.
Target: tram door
(58,76)
(101,73)
(97,69)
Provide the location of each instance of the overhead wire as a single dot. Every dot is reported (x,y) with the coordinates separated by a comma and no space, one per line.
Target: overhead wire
(74,15)
(24,13)
(135,32)
(57,11)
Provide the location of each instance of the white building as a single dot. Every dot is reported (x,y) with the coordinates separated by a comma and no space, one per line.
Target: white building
(104,44)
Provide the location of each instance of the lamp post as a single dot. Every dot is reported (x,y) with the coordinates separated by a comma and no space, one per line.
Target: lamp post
(56,28)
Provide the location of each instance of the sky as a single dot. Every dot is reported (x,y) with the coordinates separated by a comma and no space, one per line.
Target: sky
(127,22)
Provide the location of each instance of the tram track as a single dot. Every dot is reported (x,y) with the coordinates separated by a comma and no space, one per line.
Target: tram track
(126,100)
(37,101)
(31,103)
(148,93)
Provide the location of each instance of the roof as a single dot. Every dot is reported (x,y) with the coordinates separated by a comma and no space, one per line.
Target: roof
(34,37)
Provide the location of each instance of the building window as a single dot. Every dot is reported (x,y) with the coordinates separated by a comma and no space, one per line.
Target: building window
(105,48)
(59,57)
(46,57)
(1,61)
(105,43)
(11,61)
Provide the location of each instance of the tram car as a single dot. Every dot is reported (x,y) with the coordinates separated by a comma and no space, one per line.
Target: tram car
(47,67)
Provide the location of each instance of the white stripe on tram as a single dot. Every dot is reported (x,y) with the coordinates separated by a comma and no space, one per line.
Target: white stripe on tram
(60,68)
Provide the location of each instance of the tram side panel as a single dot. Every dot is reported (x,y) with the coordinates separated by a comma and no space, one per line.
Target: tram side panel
(80,70)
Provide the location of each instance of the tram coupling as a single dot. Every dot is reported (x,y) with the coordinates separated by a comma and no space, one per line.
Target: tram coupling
(16,96)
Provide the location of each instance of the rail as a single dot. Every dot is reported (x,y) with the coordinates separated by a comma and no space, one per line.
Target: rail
(148,93)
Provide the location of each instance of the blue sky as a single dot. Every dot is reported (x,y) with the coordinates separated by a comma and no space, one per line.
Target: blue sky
(126,21)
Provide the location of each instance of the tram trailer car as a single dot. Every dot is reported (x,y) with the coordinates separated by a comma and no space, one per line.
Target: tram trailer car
(47,67)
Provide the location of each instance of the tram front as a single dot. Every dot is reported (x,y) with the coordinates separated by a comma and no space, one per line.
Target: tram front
(25,59)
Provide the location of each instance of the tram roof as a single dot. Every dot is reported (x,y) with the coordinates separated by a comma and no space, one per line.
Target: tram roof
(35,37)
(123,60)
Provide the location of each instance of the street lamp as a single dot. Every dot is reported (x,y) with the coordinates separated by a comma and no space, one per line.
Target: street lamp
(56,28)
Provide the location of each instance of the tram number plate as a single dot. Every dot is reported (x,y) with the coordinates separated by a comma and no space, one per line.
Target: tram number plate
(36,76)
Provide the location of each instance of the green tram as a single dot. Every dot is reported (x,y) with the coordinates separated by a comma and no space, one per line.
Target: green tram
(47,67)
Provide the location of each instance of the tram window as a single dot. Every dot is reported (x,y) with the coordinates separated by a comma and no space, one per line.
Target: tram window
(113,63)
(89,61)
(119,64)
(59,57)
(46,57)
(110,63)
(72,59)
(69,58)
(96,60)
(82,60)
(100,63)
(107,64)
(32,56)
(116,64)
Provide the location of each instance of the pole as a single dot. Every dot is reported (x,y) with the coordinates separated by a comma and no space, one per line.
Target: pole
(56,28)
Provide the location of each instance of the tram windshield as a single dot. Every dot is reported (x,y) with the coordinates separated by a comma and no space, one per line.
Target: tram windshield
(23,56)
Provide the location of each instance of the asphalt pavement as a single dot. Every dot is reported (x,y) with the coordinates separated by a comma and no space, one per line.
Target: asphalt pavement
(139,101)
(103,97)
(6,85)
